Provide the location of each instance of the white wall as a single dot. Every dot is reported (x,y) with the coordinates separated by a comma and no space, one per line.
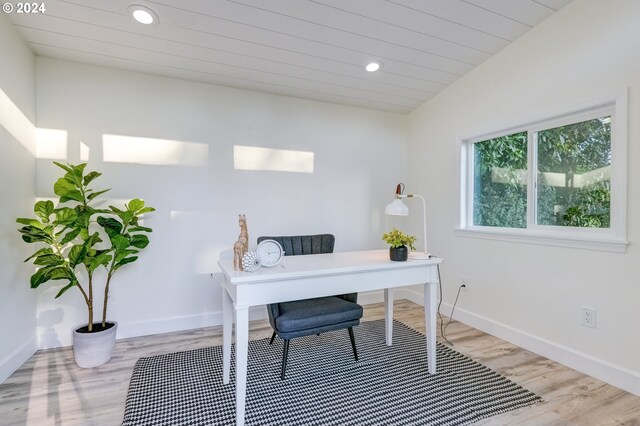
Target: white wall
(359,155)
(531,294)
(17,192)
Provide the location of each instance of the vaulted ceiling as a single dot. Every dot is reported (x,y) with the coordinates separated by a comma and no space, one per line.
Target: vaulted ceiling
(314,49)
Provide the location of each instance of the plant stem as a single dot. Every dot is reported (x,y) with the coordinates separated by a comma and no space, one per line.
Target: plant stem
(106,299)
(90,303)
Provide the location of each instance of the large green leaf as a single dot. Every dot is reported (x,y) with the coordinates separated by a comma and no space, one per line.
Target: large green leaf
(77,254)
(91,240)
(47,273)
(90,177)
(111,226)
(135,205)
(63,166)
(45,250)
(84,217)
(126,216)
(72,196)
(70,236)
(139,241)
(62,186)
(119,242)
(31,222)
(49,259)
(124,261)
(66,216)
(140,229)
(31,234)
(124,253)
(43,209)
(93,195)
(65,288)
(75,176)
(67,191)
(101,259)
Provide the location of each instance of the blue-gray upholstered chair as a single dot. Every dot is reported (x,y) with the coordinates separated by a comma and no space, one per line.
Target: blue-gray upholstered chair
(311,316)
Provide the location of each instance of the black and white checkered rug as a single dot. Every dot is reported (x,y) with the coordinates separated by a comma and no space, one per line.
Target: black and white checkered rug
(324,386)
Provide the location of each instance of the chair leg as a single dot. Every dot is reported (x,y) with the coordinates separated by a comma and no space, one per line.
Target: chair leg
(285,355)
(273,336)
(353,343)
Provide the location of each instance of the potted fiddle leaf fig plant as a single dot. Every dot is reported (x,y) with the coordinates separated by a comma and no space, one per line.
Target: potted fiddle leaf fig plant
(77,239)
(399,241)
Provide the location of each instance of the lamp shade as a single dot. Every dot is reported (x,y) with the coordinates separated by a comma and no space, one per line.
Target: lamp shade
(397,208)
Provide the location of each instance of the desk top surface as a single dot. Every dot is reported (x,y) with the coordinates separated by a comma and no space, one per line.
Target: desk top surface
(311,265)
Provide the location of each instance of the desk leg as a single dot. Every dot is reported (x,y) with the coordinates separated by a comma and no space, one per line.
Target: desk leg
(388,315)
(242,346)
(227,328)
(430,308)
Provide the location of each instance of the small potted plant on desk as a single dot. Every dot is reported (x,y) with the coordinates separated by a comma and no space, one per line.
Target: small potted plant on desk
(399,242)
(76,240)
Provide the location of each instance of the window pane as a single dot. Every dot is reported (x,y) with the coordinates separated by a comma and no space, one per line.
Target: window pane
(574,167)
(500,181)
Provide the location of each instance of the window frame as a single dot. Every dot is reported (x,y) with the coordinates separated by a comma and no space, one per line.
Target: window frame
(612,239)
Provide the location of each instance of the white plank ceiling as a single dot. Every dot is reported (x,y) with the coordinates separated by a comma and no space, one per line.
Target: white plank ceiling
(314,49)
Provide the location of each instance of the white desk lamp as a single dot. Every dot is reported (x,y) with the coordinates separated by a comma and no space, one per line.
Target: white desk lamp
(398,208)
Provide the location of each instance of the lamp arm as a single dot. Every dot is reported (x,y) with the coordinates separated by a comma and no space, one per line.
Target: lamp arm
(424,217)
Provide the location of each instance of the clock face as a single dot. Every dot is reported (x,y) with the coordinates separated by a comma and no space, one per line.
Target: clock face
(270,252)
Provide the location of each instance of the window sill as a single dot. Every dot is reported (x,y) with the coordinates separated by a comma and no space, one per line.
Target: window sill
(600,243)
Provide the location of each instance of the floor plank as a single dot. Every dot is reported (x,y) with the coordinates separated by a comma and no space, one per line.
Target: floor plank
(50,390)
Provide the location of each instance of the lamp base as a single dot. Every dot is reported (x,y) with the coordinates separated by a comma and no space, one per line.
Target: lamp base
(418,255)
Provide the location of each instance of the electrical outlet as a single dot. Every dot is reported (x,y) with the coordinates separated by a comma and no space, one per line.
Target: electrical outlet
(588,317)
(465,283)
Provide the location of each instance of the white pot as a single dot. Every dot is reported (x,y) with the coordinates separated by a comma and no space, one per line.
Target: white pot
(95,348)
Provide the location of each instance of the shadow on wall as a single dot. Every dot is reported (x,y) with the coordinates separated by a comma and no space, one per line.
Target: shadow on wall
(47,320)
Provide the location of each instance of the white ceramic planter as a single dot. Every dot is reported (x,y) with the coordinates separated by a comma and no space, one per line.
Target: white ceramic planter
(94,349)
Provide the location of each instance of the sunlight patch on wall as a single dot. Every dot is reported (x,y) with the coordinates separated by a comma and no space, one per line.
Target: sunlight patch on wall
(51,144)
(151,151)
(16,123)
(268,159)
(84,152)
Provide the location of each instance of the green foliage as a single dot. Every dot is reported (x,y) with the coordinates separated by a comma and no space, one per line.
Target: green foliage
(397,238)
(580,149)
(79,237)
(575,150)
(502,203)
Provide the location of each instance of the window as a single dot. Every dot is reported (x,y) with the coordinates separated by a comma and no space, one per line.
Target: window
(500,181)
(559,181)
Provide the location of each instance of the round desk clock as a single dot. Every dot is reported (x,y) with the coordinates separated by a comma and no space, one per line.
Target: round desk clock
(270,252)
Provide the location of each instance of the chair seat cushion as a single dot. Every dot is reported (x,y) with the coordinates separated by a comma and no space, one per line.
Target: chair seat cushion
(309,314)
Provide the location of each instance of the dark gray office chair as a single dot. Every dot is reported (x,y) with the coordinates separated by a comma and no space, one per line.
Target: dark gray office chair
(311,316)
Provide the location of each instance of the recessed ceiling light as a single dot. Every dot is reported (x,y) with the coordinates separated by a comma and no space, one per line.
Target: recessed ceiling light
(143,15)
(373,66)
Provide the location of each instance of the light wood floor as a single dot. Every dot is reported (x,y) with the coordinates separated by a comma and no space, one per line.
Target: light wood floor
(50,390)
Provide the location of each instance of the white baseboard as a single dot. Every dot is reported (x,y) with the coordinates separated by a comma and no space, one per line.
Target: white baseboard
(210,319)
(615,375)
(180,323)
(14,360)
(369,297)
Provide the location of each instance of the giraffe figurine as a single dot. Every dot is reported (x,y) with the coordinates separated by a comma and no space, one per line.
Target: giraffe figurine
(242,245)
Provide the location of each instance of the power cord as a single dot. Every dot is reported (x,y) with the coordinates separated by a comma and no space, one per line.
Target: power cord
(443,327)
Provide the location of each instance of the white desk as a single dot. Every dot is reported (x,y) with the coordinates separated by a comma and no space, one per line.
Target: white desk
(305,277)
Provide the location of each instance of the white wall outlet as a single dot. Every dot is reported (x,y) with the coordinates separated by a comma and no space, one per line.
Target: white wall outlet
(588,317)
